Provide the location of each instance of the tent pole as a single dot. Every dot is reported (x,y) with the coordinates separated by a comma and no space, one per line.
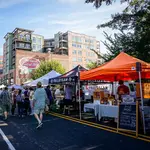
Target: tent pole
(79,93)
(141,94)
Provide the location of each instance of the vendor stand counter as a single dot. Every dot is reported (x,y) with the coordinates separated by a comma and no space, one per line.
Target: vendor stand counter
(92,106)
(111,111)
(108,111)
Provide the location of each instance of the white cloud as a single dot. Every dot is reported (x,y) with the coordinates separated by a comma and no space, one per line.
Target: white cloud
(36,20)
(102,10)
(66,22)
(84,20)
(9,3)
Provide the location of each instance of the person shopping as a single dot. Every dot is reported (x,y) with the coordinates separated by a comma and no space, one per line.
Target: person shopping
(31,98)
(40,98)
(19,100)
(5,102)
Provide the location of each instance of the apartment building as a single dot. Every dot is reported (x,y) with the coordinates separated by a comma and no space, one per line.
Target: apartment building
(23,50)
(1,64)
(77,46)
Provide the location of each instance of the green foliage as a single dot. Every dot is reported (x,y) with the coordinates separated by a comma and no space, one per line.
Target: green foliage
(92,65)
(47,66)
(133,26)
(98,3)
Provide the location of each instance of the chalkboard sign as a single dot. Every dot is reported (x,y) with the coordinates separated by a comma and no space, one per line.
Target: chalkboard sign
(147,124)
(127,117)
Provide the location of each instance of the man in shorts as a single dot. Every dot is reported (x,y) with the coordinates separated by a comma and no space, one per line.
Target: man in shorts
(5,101)
(40,98)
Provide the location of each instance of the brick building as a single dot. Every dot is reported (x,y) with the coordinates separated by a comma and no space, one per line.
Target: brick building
(23,50)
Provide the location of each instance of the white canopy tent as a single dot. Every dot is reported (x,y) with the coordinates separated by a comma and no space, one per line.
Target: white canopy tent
(44,79)
(2,86)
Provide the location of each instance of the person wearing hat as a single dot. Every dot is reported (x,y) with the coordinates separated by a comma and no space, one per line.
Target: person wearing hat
(40,98)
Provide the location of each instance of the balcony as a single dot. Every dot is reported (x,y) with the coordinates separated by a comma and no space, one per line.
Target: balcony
(63,39)
(23,46)
(25,40)
(63,47)
(48,45)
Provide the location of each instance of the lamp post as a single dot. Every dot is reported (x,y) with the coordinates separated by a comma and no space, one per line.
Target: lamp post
(49,52)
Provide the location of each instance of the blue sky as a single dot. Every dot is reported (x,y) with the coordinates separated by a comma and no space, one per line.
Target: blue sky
(47,17)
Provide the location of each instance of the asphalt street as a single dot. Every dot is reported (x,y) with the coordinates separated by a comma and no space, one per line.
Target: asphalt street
(60,134)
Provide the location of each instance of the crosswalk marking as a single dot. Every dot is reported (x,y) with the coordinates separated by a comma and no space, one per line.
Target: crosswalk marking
(11,147)
(2,123)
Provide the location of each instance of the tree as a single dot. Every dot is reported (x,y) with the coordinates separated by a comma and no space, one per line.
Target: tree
(47,66)
(133,25)
(98,3)
(92,65)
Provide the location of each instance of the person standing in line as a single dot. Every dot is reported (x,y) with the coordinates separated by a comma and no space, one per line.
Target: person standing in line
(31,98)
(19,100)
(40,98)
(5,101)
(13,97)
(26,101)
(49,95)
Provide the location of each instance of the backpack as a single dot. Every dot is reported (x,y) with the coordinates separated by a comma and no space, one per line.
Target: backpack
(5,97)
(19,98)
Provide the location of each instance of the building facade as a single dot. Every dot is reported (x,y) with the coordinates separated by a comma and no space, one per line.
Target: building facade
(1,65)
(77,46)
(23,50)
(37,43)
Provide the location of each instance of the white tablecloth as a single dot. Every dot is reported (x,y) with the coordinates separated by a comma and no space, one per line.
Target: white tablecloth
(107,111)
(93,106)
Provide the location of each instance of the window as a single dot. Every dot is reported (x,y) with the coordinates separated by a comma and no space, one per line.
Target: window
(74,59)
(78,46)
(86,40)
(38,40)
(34,47)
(79,59)
(34,40)
(87,47)
(76,39)
(91,41)
(74,45)
(92,47)
(27,45)
(74,52)
(79,52)
(39,47)
(21,45)
(28,37)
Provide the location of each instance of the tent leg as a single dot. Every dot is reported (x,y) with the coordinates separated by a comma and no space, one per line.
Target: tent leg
(141,94)
(79,99)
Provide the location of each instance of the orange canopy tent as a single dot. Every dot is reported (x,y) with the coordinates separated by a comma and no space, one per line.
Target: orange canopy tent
(122,67)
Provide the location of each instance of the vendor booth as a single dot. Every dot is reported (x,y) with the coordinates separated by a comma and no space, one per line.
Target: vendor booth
(44,79)
(123,67)
(70,78)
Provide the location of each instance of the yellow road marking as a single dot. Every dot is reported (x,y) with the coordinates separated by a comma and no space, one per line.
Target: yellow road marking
(110,129)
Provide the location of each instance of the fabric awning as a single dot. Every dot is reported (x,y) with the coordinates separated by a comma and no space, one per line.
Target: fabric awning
(122,67)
